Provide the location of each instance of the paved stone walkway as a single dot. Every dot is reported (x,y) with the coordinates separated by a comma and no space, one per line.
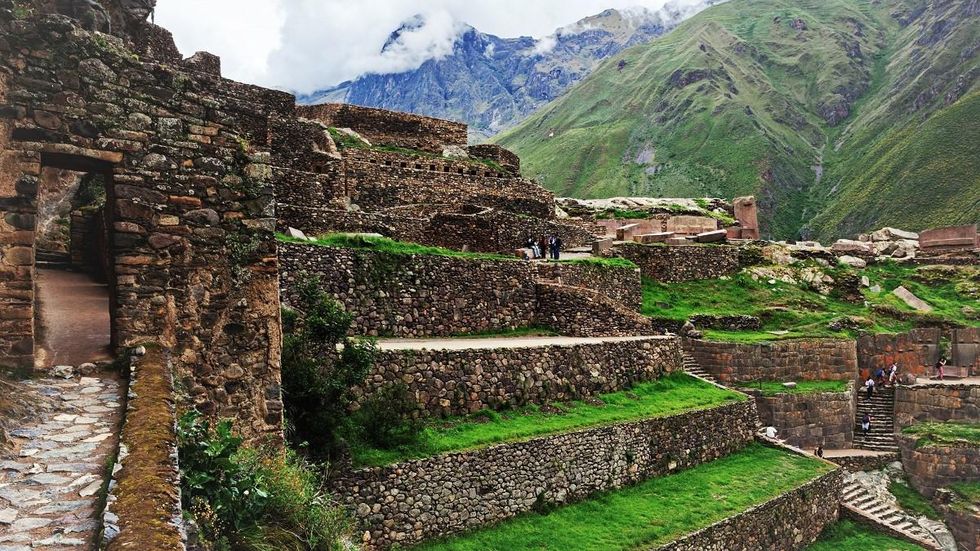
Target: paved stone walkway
(490,343)
(51,482)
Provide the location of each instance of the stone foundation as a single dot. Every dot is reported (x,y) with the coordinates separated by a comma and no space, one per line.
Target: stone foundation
(454,382)
(682,263)
(810,420)
(429,498)
(936,402)
(935,466)
(796,360)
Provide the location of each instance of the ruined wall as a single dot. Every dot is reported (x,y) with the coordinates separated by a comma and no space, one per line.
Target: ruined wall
(415,295)
(682,263)
(503,157)
(809,420)
(382,127)
(935,466)
(936,402)
(807,360)
(194,259)
(410,502)
(965,349)
(454,382)
(790,521)
(915,352)
(963,520)
(580,312)
(620,284)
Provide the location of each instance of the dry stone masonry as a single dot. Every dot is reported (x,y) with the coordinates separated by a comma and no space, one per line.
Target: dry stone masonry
(936,402)
(808,420)
(682,263)
(807,360)
(933,466)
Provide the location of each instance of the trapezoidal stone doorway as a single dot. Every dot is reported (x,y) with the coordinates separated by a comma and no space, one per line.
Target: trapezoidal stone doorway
(74,282)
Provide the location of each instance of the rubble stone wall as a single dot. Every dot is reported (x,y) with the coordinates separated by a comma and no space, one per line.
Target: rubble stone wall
(936,402)
(807,360)
(454,382)
(581,312)
(933,466)
(620,284)
(190,201)
(409,502)
(810,420)
(682,263)
(790,521)
(382,127)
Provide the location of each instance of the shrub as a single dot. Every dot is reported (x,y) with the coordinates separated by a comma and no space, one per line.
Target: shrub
(242,499)
(389,418)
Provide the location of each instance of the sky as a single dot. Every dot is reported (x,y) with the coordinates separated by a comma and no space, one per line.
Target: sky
(307,45)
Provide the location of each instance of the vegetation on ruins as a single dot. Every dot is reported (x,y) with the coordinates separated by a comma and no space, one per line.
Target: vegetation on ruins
(318,383)
(912,501)
(798,310)
(949,432)
(845,114)
(968,491)
(771,388)
(653,512)
(847,535)
(248,500)
(671,395)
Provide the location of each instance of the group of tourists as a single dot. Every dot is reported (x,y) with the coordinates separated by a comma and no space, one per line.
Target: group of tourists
(881,378)
(546,247)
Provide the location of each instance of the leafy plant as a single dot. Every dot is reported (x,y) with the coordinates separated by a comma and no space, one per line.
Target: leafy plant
(390,418)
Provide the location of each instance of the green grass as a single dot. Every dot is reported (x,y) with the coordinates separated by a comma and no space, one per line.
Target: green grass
(847,535)
(771,388)
(390,246)
(610,262)
(670,395)
(912,501)
(653,512)
(534,331)
(950,432)
(803,312)
(970,491)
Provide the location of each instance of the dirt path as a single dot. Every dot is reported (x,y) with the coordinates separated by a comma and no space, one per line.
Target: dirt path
(504,342)
(74,319)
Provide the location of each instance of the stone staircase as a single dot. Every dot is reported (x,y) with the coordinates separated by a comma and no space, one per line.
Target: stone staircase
(692,367)
(881,406)
(865,505)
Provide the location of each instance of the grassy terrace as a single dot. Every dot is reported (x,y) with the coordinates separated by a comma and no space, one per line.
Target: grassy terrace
(912,501)
(653,512)
(391,246)
(969,491)
(848,535)
(672,395)
(800,311)
(950,432)
(771,388)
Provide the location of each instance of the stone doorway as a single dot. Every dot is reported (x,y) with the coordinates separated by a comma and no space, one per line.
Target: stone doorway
(73,275)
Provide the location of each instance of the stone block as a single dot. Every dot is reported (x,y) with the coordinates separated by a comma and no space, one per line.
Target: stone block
(851,246)
(955,237)
(648,238)
(717,236)
(912,300)
(602,247)
(625,233)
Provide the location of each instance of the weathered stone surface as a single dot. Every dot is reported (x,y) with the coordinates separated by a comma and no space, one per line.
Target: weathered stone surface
(932,466)
(807,360)
(893,234)
(682,263)
(852,261)
(936,402)
(912,300)
(850,246)
(811,419)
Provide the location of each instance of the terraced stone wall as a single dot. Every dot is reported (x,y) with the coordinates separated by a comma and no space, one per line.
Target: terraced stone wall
(933,466)
(936,402)
(790,521)
(810,420)
(418,500)
(190,197)
(382,127)
(580,312)
(682,263)
(795,360)
(620,284)
(457,382)
(915,352)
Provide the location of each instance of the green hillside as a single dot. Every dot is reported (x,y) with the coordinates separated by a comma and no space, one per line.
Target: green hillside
(762,96)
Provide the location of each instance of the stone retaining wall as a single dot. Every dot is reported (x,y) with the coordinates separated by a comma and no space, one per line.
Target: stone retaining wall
(790,521)
(794,360)
(580,312)
(438,496)
(455,382)
(620,284)
(936,402)
(963,520)
(382,127)
(143,507)
(935,466)
(810,420)
(682,263)
(915,352)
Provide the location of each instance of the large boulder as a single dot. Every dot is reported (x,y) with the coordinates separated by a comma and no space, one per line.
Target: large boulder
(893,234)
(852,261)
(851,246)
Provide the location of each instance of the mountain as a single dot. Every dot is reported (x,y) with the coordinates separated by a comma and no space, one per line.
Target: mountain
(492,83)
(840,115)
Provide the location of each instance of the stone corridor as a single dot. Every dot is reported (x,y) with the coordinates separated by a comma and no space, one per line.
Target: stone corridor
(52,481)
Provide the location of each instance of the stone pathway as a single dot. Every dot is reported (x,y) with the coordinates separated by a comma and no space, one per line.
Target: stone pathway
(51,482)
(502,342)
(866,495)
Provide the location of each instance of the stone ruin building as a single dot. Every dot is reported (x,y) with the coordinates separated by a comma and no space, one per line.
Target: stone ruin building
(167,183)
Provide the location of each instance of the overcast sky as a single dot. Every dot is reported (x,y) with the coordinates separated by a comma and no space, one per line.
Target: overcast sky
(305,45)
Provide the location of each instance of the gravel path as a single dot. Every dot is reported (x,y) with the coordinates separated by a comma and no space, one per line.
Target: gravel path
(51,482)
(492,343)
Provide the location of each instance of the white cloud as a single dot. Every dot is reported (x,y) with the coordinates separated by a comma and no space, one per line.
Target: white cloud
(305,45)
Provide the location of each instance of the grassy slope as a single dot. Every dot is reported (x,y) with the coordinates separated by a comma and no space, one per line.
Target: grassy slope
(848,535)
(912,501)
(671,395)
(801,311)
(754,125)
(945,433)
(653,512)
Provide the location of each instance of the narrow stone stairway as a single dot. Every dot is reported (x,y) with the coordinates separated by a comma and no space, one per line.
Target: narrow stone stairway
(869,505)
(881,406)
(692,367)
(53,478)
